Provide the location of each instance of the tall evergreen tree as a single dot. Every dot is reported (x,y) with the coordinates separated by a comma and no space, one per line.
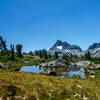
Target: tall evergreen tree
(45,55)
(49,56)
(64,57)
(31,53)
(19,50)
(87,56)
(40,54)
(3,47)
(56,55)
(12,52)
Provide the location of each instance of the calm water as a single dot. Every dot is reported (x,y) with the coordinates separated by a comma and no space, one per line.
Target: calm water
(38,69)
(32,69)
(79,72)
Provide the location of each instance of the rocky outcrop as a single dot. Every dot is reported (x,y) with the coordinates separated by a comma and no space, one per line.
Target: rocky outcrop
(83,63)
(58,63)
(94,46)
(55,63)
(94,49)
(2,66)
(73,68)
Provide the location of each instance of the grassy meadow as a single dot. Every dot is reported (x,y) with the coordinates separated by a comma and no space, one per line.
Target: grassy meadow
(29,86)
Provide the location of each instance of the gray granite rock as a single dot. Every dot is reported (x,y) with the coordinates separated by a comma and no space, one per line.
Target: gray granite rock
(2,66)
(57,63)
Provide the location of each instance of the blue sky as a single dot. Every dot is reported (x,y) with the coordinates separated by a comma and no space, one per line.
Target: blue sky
(37,24)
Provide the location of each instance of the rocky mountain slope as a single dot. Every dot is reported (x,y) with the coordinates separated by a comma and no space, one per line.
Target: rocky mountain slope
(66,48)
(94,49)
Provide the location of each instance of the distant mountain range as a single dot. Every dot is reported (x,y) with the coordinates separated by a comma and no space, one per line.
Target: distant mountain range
(66,48)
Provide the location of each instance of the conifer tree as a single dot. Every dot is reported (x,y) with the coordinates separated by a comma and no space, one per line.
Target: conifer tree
(12,52)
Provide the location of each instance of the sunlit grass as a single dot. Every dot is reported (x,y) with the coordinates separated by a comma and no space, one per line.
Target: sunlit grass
(42,87)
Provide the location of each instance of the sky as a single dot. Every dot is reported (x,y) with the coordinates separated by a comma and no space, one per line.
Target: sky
(38,24)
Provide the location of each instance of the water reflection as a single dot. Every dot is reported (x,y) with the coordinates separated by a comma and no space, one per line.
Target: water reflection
(80,73)
(32,69)
(39,69)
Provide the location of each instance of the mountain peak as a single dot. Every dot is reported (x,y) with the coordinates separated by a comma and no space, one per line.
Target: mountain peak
(94,46)
(76,47)
(64,47)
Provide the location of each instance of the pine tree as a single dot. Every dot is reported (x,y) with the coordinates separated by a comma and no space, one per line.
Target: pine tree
(31,53)
(19,50)
(49,56)
(56,55)
(3,47)
(12,52)
(87,56)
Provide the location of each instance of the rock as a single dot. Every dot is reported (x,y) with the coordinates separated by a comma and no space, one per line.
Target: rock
(92,76)
(73,68)
(44,64)
(26,62)
(42,60)
(57,63)
(52,73)
(97,67)
(2,66)
(83,63)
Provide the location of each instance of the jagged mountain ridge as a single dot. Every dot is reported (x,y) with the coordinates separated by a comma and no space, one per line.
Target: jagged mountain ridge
(94,49)
(64,47)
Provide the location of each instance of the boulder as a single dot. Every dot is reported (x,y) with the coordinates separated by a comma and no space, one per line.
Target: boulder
(83,63)
(57,63)
(52,73)
(44,64)
(97,67)
(2,66)
(42,60)
(73,68)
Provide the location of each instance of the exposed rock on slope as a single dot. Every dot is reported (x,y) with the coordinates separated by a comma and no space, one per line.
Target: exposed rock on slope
(64,47)
(94,49)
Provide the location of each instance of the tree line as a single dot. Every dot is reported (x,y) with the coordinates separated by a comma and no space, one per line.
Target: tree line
(43,54)
(5,51)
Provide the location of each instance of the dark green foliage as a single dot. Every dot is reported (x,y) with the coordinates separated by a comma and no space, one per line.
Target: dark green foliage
(56,55)
(36,53)
(64,57)
(12,52)
(87,56)
(30,53)
(4,58)
(40,54)
(49,56)
(3,47)
(24,53)
(19,50)
(45,55)
(96,60)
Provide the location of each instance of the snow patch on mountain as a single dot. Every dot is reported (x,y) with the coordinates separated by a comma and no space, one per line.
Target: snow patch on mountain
(66,48)
(59,47)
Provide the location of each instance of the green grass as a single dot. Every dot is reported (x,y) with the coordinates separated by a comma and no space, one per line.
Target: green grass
(42,87)
(19,62)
